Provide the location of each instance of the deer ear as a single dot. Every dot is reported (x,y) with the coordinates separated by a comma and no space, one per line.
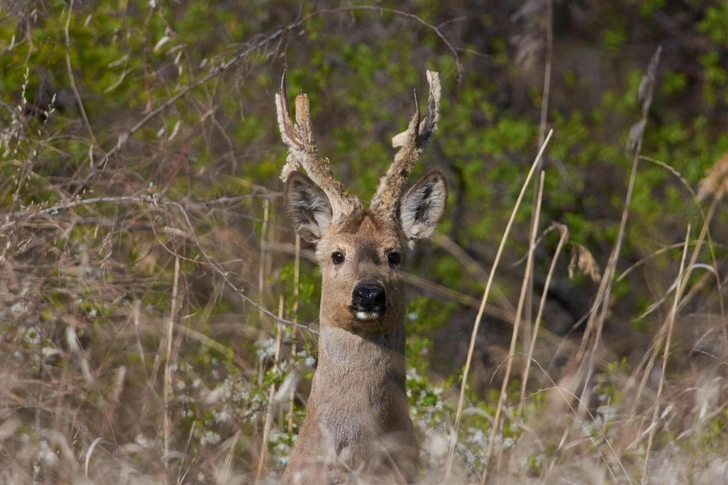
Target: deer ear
(423,205)
(307,206)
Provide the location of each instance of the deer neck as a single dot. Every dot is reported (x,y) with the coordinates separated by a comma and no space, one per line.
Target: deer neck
(368,355)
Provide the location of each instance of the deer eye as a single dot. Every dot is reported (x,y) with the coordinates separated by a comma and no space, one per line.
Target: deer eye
(337,257)
(394,258)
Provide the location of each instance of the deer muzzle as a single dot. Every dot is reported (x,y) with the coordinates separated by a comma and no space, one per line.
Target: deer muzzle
(368,301)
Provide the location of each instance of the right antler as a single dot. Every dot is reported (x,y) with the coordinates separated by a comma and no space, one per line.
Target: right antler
(302,152)
(410,143)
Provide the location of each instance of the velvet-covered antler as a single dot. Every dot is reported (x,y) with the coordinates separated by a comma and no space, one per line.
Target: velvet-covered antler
(411,143)
(302,152)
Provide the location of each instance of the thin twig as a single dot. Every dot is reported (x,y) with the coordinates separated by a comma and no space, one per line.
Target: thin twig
(214,265)
(73,80)
(152,201)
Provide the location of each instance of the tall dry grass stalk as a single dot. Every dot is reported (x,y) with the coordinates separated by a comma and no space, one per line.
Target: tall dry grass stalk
(542,304)
(670,323)
(537,193)
(167,369)
(478,318)
(294,318)
(263,256)
(525,286)
(595,323)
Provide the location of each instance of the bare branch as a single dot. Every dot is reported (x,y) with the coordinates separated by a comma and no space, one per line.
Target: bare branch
(243,54)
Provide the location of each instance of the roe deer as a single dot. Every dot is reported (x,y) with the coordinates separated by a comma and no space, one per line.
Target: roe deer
(357,419)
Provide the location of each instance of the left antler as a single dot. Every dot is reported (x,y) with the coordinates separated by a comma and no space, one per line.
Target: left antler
(411,143)
(302,151)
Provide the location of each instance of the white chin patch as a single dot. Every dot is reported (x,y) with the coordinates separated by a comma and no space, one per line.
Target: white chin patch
(368,315)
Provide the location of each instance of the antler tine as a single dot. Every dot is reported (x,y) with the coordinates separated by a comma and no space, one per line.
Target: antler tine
(411,143)
(302,152)
(285,111)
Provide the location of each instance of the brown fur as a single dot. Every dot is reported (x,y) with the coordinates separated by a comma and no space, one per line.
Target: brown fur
(357,422)
(357,415)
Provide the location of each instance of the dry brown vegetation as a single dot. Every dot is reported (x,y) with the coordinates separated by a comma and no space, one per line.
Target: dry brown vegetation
(159,316)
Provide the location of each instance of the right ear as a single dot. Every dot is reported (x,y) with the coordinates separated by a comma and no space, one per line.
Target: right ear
(307,206)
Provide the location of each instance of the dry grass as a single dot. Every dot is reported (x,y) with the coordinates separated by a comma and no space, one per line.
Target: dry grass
(124,370)
(162,333)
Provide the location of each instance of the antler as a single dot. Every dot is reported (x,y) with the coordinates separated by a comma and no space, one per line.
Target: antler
(302,152)
(412,141)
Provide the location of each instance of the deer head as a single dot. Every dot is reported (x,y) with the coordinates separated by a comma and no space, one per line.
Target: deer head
(361,251)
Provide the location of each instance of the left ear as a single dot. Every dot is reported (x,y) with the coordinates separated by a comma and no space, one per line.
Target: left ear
(423,205)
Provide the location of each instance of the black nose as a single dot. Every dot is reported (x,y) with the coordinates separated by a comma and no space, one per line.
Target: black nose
(368,298)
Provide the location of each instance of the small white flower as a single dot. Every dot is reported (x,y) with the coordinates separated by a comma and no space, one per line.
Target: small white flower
(266,348)
(221,417)
(241,394)
(211,437)
(478,438)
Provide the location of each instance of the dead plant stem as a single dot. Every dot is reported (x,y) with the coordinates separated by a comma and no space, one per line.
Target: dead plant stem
(263,457)
(537,323)
(167,367)
(514,338)
(294,318)
(538,194)
(261,264)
